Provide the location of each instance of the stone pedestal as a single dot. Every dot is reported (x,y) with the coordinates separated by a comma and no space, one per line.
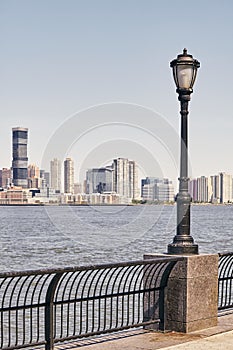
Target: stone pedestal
(191,301)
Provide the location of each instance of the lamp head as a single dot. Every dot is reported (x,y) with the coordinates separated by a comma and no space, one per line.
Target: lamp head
(184,72)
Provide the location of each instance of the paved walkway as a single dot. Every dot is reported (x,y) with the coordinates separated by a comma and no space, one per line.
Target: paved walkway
(222,341)
(215,338)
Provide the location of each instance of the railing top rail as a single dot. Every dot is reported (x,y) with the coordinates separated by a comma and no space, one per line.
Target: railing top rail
(225,254)
(90,267)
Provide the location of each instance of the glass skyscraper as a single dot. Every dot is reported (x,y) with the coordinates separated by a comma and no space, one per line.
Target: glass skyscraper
(20,159)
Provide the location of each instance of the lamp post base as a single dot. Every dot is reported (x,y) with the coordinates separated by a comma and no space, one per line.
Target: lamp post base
(181,249)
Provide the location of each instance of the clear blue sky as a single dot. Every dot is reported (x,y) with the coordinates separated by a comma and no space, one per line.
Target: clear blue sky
(58,57)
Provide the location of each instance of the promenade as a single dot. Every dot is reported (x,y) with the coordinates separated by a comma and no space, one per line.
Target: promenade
(214,338)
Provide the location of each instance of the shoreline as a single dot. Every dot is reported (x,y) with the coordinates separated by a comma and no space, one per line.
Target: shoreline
(104,205)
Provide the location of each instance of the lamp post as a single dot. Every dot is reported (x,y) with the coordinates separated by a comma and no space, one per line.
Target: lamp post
(184,72)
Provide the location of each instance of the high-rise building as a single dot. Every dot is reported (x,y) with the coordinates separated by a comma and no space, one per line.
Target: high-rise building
(20,159)
(47,178)
(202,189)
(125,178)
(225,188)
(33,176)
(193,189)
(44,178)
(99,180)
(121,176)
(33,171)
(68,176)
(215,187)
(34,180)
(55,174)
(134,191)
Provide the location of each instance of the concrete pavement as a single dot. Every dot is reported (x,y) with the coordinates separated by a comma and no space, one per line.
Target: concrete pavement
(222,341)
(215,338)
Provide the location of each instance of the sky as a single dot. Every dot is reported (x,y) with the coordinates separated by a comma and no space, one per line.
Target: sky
(91,80)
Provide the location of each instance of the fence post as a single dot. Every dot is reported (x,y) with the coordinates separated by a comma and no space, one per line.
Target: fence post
(49,329)
(192,294)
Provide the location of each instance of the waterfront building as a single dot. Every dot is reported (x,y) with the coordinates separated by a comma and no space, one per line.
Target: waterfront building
(148,192)
(78,188)
(44,179)
(155,189)
(42,172)
(84,186)
(125,178)
(34,182)
(164,191)
(214,189)
(215,186)
(210,190)
(5,178)
(148,188)
(55,174)
(91,199)
(133,180)
(193,189)
(225,188)
(121,176)
(14,195)
(33,176)
(47,178)
(99,180)
(68,176)
(33,171)
(46,196)
(202,189)
(20,159)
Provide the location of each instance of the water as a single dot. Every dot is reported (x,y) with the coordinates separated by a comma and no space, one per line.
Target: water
(53,236)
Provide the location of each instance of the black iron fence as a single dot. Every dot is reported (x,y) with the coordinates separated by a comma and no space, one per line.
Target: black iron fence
(225,281)
(45,307)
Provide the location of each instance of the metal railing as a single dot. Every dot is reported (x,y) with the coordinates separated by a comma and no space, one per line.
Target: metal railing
(225,281)
(45,307)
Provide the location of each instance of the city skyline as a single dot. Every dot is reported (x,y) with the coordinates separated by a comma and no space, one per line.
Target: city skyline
(213,189)
(113,184)
(120,178)
(81,57)
(19,148)
(119,181)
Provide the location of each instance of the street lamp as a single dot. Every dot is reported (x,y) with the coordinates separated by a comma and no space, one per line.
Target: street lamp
(184,72)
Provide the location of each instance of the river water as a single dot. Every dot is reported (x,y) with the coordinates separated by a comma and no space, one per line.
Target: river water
(55,236)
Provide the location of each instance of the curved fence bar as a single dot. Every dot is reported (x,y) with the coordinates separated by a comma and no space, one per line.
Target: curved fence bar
(44,307)
(225,281)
